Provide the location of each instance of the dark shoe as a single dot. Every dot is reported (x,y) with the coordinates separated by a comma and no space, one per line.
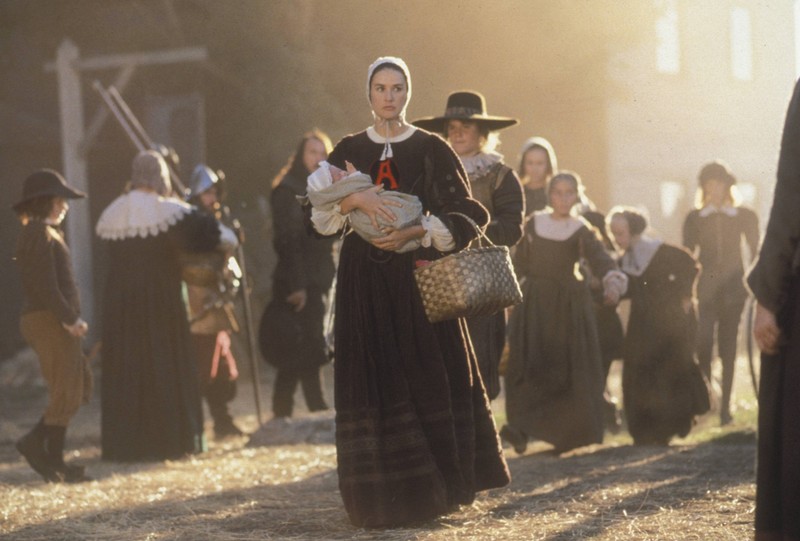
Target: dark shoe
(73,473)
(517,439)
(227,430)
(32,448)
(69,473)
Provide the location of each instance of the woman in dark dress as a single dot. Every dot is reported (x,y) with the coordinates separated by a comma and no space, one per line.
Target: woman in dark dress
(151,407)
(537,165)
(775,282)
(414,429)
(302,279)
(473,135)
(554,381)
(660,376)
(713,232)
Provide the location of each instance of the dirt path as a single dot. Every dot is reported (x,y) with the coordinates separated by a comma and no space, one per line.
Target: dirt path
(699,488)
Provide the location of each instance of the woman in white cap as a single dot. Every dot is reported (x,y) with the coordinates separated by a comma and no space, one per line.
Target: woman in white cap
(537,164)
(51,321)
(414,431)
(473,134)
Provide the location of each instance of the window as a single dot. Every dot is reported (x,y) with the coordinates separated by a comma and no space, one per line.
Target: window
(668,47)
(741,44)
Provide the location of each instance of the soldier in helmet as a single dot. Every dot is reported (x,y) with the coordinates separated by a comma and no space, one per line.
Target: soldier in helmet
(212,283)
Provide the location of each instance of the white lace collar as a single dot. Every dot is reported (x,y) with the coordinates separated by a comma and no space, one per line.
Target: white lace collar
(140,214)
(477,165)
(637,257)
(551,229)
(725,209)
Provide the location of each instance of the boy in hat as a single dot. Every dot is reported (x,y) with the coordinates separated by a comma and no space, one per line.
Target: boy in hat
(51,321)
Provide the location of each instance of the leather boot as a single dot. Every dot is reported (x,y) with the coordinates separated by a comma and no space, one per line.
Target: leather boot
(55,454)
(32,447)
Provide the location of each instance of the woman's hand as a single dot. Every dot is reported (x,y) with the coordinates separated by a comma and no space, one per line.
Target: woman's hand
(298,299)
(369,202)
(766,330)
(610,297)
(687,303)
(397,238)
(77,329)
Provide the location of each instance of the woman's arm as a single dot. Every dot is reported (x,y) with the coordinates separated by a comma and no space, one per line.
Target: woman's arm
(505,227)
(447,193)
(773,272)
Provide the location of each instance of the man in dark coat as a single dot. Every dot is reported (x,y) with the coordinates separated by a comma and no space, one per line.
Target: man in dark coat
(775,282)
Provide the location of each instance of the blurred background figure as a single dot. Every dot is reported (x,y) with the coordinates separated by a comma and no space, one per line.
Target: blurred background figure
(473,135)
(212,282)
(609,324)
(151,406)
(663,388)
(537,165)
(714,232)
(51,321)
(554,381)
(291,332)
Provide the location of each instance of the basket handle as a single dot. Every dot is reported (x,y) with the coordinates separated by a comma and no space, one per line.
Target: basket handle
(478,230)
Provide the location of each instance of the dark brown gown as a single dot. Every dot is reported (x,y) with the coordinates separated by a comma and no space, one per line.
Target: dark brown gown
(414,430)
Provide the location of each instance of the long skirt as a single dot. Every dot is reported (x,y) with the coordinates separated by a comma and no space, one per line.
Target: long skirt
(414,430)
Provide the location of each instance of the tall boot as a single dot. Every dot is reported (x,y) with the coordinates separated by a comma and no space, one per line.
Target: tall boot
(32,447)
(55,455)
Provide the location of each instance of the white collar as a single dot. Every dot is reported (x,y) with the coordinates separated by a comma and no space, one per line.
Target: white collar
(478,164)
(551,229)
(637,257)
(725,209)
(140,214)
(375,137)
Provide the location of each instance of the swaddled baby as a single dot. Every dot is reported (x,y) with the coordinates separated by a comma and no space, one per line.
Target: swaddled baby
(328,185)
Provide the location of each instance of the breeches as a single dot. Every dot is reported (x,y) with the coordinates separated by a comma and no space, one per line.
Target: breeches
(64,368)
(725,316)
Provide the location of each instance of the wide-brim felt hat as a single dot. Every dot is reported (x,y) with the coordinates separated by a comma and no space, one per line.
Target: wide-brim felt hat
(465,105)
(47,183)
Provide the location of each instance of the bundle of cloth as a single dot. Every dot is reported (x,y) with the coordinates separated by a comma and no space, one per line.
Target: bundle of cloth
(328,185)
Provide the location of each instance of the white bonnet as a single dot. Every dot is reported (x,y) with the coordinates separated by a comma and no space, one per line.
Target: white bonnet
(396,61)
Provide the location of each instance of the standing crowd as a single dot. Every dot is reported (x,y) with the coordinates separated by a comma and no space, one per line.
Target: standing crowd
(415,433)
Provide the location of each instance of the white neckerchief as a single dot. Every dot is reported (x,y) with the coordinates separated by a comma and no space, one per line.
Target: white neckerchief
(140,214)
(376,137)
(725,209)
(637,257)
(551,229)
(477,165)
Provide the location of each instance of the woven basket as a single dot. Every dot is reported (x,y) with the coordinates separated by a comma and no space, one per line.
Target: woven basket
(472,282)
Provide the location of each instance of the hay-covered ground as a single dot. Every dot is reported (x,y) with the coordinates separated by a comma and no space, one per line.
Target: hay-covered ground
(698,488)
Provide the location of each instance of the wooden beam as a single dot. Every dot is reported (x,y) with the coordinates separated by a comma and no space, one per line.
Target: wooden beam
(186,54)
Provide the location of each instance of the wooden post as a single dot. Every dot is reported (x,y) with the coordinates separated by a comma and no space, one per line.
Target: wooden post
(79,224)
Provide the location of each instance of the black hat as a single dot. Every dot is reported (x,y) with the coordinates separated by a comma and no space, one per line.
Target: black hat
(465,105)
(718,170)
(47,182)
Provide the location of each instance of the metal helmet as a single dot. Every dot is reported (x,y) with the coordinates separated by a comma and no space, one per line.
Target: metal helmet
(203,178)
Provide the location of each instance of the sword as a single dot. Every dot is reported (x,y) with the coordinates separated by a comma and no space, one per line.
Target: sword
(248,312)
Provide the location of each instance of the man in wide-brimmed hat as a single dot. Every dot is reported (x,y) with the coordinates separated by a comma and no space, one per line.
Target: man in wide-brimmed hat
(51,321)
(473,135)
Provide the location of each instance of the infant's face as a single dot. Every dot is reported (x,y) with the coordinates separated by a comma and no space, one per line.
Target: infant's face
(336,173)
